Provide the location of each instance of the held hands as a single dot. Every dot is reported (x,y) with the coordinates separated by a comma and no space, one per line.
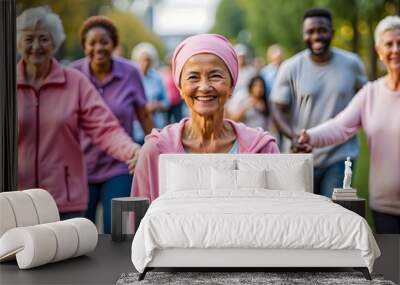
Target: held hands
(304,137)
(133,161)
(300,143)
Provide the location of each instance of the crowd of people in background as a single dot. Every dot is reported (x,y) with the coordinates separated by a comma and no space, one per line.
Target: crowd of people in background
(81,126)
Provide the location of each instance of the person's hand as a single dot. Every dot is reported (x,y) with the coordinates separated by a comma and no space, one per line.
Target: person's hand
(132,162)
(304,137)
(300,148)
(299,145)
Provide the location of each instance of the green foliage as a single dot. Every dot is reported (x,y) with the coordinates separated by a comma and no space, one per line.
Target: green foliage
(230,17)
(74,12)
(271,21)
(361,172)
(133,31)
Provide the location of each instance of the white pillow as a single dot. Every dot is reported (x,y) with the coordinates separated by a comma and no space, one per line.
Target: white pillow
(223,179)
(291,180)
(238,179)
(281,174)
(251,178)
(183,178)
(186,175)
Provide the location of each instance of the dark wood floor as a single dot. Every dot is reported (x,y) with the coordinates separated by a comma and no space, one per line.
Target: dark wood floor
(106,264)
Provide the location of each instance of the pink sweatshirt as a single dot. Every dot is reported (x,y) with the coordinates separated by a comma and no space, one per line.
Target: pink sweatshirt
(377,109)
(49,123)
(169,140)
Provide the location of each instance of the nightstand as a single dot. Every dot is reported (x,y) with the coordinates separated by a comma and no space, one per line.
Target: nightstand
(138,205)
(357,205)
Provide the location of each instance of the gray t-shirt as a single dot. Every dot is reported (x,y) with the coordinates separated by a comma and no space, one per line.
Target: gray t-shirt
(317,92)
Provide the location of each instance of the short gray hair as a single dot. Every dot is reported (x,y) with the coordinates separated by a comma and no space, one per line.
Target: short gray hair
(145,48)
(386,24)
(29,18)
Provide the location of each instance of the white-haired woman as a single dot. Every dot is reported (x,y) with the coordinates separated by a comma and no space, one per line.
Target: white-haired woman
(146,56)
(376,108)
(54,105)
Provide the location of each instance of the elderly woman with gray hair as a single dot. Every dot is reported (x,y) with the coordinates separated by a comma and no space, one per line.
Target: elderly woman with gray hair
(376,108)
(55,104)
(146,56)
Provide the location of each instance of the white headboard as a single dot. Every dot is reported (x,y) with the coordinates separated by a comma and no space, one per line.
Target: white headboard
(284,164)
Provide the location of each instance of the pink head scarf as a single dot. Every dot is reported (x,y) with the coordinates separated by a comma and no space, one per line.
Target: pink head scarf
(205,43)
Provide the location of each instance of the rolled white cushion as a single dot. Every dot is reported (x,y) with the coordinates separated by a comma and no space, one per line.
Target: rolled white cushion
(67,240)
(33,246)
(87,235)
(23,208)
(46,207)
(40,244)
(26,208)
(7,218)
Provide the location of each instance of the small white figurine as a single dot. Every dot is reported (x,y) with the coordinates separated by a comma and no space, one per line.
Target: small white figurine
(347,174)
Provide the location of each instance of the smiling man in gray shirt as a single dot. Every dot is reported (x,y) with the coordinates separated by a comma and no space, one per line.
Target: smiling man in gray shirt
(313,86)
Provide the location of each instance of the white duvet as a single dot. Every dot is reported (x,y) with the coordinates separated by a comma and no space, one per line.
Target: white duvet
(253,218)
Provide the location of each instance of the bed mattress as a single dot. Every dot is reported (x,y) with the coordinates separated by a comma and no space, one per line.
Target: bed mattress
(251,219)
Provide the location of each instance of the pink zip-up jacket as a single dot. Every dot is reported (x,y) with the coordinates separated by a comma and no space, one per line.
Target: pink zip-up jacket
(169,140)
(49,123)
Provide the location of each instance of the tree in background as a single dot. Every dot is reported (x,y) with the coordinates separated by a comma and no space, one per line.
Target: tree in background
(133,31)
(270,21)
(74,12)
(230,17)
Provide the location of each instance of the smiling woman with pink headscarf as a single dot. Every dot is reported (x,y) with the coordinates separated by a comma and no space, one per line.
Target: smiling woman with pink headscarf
(205,70)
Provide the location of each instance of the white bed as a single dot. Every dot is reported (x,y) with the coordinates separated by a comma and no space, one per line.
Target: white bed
(247,210)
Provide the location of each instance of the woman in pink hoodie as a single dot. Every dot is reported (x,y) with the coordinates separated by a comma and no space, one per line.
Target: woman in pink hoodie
(205,70)
(54,104)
